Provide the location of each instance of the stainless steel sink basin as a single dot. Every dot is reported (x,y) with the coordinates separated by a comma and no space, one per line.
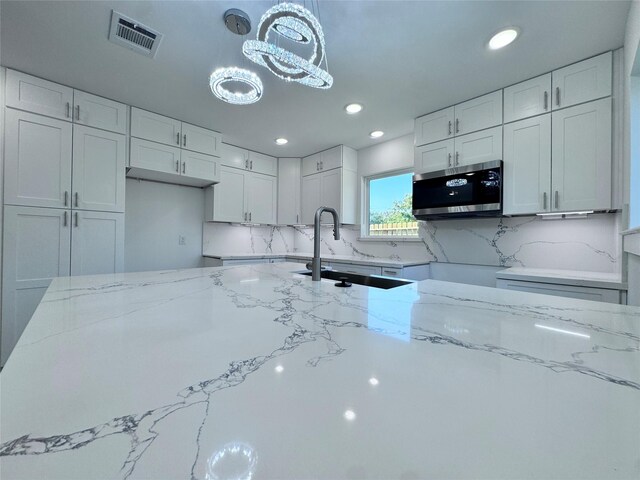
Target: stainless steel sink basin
(375,281)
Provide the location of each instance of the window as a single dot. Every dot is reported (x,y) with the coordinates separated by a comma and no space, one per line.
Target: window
(388,200)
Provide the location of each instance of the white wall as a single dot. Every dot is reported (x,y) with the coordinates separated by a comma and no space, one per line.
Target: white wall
(156,215)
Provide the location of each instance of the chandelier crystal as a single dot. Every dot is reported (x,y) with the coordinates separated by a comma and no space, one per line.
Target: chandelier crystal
(298,24)
(226,75)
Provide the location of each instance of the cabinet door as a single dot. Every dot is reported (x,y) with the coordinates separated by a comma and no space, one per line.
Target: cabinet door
(198,166)
(38,96)
(154,127)
(99,112)
(311,164)
(331,191)
(265,164)
(154,156)
(581,152)
(311,197)
(36,249)
(434,156)
(233,156)
(527,99)
(570,291)
(479,147)
(289,171)
(98,169)
(37,160)
(198,139)
(356,268)
(228,196)
(583,81)
(434,127)
(479,113)
(97,243)
(332,158)
(527,166)
(261,198)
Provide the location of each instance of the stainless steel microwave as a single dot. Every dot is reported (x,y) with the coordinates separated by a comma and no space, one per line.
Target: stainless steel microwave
(468,191)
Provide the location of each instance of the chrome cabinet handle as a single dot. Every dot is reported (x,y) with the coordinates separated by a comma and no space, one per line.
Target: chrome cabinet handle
(317,166)
(457,125)
(65,219)
(178,138)
(390,272)
(558,96)
(249,216)
(546,100)
(297,220)
(66,198)
(184,140)
(76,219)
(457,158)
(251,165)
(77,112)
(449,159)
(557,199)
(184,167)
(77,196)
(246,164)
(449,127)
(178,166)
(68,106)
(544,201)
(321,165)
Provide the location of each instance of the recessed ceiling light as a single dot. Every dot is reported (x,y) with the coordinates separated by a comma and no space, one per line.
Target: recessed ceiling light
(376,134)
(281,141)
(503,38)
(353,108)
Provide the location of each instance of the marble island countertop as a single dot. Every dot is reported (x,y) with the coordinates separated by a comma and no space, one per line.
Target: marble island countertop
(565,277)
(375,261)
(255,371)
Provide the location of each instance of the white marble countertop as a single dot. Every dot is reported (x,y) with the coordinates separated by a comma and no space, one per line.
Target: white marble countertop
(564,277)
(217,372)
(374,261)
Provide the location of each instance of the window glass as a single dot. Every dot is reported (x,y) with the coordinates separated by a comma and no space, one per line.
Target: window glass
(390,206)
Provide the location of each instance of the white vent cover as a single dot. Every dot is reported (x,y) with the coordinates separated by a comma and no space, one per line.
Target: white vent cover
(133,35)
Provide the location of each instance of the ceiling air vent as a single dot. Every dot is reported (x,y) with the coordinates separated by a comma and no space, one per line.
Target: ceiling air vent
(133,35)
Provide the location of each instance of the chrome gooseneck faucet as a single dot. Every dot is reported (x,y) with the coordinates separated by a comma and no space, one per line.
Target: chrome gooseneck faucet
(316,263)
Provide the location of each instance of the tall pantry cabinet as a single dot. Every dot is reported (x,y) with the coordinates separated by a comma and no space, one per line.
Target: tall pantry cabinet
(64,180)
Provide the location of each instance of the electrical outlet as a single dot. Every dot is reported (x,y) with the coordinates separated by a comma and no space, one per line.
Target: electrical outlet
(182,240)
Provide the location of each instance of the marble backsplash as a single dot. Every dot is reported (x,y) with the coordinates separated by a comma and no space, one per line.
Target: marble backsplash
(591,244)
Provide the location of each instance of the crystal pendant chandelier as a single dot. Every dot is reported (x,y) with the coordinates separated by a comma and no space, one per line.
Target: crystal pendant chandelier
(296,23)
(219,81)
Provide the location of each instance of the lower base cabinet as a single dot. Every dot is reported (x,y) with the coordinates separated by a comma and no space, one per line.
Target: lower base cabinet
(571,291)
(43,243)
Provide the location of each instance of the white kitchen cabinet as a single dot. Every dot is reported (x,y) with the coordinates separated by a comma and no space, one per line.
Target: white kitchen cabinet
(336,157)
(570,291)
(98,165)
(434,156)
(237,157)
(36,249)
(98,112)
(37,160)
(478,114)
(482,146)
(242,196)
(434,126)
(154,156)
(581,157)
(156,128)
(97,243)
(583,81)
(311,197)
(527,166)
(289,187)
(336,188)
(201,140)
(527,99)
(36,95)
(200,169)
(233,156)
(265,164)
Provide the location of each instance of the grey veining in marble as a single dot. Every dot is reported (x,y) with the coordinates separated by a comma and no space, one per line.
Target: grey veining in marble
(166,374)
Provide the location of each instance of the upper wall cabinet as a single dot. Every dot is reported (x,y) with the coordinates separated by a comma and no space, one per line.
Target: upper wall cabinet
(583,81)
(527,99)
(99,112)
(335,157)
(36,95)
(479,113)
(201,140)
(154,127)
(237,157)
(434,156)
(434,127)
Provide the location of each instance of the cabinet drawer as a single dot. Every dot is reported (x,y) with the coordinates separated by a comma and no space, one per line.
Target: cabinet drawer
(98,112)
(478,147)
(154,127)
(198,139)
(479,113)
(434,127)
(391,272)
(570,291)
(355,268)
(199,167)
(36,95)
(527,99)
(154,156)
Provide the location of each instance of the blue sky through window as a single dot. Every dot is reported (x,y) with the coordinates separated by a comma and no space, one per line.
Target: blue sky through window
(384,191)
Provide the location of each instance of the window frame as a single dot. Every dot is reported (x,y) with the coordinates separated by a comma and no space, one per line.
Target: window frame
(365,210)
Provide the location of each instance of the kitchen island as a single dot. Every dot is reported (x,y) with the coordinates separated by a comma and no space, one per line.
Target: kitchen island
(257,372)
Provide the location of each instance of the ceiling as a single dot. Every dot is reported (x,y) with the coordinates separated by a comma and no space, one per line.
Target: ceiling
(401,59)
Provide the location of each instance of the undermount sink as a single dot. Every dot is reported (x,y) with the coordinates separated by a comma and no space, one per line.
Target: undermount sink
(375,281)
